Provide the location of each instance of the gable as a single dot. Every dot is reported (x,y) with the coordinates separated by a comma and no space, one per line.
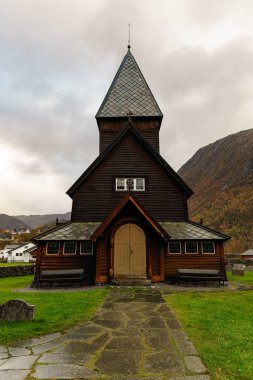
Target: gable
(133,148)
(130,200)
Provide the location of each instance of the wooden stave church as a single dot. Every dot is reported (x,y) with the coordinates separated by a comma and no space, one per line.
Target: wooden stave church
(129,215)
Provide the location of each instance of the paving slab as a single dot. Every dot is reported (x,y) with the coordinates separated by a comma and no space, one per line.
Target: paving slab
(20,362)
(14,374)
(110,324)
(173,323)
(154,323)
(63,372)
(4,355)
(126,343)
(164,362)
(36,341)
(110,315)
(127,331)
(19,351)
(3,349)
(53,358)
(2,361)
(87,329)
(121,362)
(158,339)
(194,364)
(41,348)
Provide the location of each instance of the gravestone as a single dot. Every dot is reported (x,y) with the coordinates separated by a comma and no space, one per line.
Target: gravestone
(16,310)
(238,269)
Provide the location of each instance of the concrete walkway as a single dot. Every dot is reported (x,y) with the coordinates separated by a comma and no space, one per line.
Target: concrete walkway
(132,336)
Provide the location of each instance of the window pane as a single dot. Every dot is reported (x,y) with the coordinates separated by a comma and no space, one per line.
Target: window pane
(86,248)
(120,184)
(191,247)
(140,184)
(53,248)
(69,248)
(208,247)
(175,247)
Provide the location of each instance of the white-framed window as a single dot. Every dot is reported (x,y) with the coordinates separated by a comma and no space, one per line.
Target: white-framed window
(134,184)
(53,248)
(191,247)
(174,247)
(208,247)
(69,248)
(86,248)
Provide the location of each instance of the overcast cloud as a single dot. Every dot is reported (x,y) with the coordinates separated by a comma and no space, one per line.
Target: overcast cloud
(58,58)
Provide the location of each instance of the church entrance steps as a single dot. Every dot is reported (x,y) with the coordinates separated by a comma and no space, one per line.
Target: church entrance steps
(131,281)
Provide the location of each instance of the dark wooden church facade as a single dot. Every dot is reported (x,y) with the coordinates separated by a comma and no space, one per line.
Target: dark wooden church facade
(129,214)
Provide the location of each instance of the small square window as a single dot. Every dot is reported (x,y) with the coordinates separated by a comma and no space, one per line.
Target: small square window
(174,247)
(69,248)
(208,247)
(86,248)
(53,248)
(191,247)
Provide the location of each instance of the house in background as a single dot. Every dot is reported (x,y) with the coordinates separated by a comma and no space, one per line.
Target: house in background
(21,253)
(129,215)
(7,248)
(247,254)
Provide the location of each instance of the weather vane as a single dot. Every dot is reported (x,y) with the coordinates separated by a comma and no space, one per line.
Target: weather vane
(129,33)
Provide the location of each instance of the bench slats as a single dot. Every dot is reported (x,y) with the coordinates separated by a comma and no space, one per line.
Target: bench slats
(66,275)
(200,275)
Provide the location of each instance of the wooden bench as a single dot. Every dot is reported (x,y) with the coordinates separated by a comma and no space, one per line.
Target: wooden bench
(60,276)
(200,275)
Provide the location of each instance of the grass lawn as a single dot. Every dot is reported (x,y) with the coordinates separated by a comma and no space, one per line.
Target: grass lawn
(55,311)
(220,325)
(247,278)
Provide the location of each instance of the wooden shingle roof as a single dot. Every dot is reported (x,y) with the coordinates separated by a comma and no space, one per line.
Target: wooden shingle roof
(129,91)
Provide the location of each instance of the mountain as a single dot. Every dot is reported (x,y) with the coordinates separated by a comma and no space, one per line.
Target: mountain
(10,222)
(221,176)
(36,220)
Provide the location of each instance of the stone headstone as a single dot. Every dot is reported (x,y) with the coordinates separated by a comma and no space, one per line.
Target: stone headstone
(16,310)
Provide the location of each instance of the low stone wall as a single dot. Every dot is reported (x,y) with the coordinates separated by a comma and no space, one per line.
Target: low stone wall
(19,270)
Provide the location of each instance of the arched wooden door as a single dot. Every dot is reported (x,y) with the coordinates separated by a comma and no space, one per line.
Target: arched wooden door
(130,251)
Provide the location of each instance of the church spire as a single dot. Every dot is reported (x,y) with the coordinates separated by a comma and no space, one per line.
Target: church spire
(129,91)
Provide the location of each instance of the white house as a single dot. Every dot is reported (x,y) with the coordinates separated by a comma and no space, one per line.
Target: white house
(22,253)
(7,248)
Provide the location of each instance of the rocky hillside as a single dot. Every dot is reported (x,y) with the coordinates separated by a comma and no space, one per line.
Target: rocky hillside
(10,222)
(221,175)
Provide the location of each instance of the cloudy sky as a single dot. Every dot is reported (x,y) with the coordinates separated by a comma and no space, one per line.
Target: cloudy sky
(58,58)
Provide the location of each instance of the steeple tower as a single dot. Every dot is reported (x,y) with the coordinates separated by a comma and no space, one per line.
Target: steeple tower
(129,93)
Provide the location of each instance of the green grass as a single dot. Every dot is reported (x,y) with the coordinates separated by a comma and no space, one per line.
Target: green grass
(55,311)
(220,326)
(247,278)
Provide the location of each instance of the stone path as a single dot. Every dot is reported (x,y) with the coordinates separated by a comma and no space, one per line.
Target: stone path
(133,335)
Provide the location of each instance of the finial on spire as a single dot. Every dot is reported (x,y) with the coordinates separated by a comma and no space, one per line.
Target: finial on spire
(129,34)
